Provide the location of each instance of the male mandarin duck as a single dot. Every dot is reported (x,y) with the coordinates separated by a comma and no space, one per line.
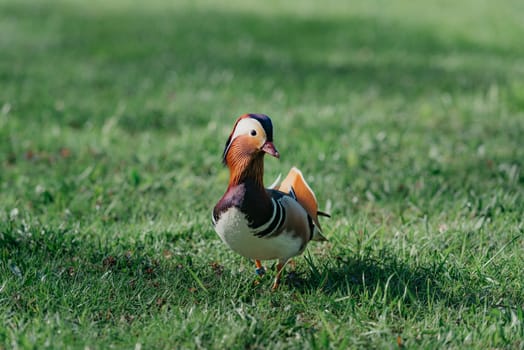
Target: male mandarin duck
(260,223)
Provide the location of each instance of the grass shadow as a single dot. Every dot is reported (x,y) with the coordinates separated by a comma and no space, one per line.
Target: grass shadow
(381,276)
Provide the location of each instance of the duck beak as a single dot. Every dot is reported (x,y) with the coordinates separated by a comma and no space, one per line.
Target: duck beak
(270,149)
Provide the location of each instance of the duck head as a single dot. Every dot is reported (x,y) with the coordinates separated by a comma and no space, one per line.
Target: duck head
(251,138)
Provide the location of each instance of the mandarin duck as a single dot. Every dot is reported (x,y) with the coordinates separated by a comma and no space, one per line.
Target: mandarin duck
(260,223)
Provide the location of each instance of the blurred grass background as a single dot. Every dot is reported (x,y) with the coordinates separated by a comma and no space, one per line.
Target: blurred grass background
(407,119)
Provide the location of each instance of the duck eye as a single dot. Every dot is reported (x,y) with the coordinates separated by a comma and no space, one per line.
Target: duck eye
(253,132)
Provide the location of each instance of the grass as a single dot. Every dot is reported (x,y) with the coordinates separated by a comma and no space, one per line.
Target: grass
(407,119)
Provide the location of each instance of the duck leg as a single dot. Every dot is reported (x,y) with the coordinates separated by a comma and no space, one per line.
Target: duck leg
(260,270)
(280,267)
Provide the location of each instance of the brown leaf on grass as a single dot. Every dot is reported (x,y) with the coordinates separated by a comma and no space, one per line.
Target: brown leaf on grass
(217,268)
(65,152)
(399,342)
(160,302)
(29,154)
(127,319)
(109,262)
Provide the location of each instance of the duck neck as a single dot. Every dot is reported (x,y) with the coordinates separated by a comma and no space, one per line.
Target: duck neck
(247,170)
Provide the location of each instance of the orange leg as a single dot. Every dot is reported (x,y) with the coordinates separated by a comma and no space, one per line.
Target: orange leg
(260,270)
(280,267)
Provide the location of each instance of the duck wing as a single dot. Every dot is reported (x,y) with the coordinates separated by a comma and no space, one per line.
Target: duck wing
(296,186)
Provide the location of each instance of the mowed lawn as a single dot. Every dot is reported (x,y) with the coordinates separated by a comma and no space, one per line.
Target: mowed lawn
(407,119)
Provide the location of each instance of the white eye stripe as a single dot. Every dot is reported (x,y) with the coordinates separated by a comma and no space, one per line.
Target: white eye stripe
(245,126)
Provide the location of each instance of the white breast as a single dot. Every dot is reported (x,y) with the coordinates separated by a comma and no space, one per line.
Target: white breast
(233,229)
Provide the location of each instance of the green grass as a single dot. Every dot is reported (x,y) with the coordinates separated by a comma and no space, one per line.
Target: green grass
(407,119)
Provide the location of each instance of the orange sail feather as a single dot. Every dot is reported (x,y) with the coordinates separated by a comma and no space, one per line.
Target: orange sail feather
(295,182)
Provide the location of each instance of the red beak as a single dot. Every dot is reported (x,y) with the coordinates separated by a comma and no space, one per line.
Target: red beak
(270,149)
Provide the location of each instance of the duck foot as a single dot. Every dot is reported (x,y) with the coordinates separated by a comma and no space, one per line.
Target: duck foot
(260,270)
